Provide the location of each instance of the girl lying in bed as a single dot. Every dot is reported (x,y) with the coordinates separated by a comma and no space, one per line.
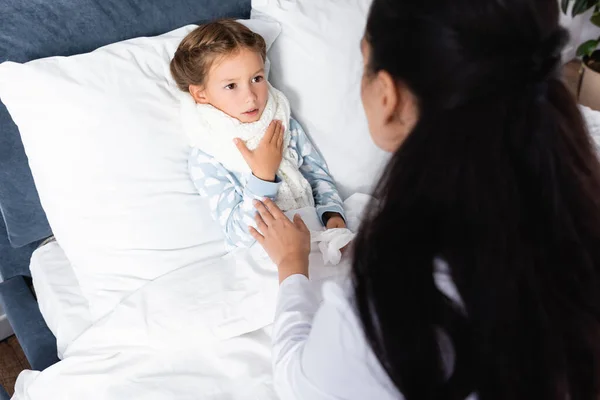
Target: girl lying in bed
(245,144)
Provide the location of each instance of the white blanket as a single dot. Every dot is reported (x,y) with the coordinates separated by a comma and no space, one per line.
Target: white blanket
(200,332)
(62,304)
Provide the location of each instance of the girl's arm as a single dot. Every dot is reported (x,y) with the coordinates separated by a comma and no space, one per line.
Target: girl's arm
(230,201)
(312,165)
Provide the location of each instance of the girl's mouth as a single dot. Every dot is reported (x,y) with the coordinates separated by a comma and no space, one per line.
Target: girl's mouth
(252,113)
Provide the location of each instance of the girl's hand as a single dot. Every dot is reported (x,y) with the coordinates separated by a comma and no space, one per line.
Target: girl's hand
(335,221)
(287,243)
(264,161)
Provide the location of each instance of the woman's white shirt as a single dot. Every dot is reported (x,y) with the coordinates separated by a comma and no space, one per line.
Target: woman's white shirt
(320,350)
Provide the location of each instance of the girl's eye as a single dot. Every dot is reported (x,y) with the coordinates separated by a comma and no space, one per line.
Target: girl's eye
(258,79)
(231,86)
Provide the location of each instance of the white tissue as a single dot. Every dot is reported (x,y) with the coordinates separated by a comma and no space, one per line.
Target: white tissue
(331,242)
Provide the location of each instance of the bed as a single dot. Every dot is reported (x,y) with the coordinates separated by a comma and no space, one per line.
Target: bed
(138,298)
(111,260)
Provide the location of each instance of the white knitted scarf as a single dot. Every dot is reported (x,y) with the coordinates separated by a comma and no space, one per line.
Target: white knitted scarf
(213,131)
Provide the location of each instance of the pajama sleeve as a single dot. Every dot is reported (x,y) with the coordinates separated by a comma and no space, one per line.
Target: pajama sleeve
(230,200)
(314,169)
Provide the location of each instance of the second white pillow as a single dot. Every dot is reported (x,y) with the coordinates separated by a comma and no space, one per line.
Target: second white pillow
(317,63)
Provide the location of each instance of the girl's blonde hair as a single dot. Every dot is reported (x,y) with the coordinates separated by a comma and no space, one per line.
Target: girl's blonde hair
(201,47)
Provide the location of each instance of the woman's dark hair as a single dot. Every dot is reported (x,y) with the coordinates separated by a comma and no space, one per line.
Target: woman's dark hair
(500,180)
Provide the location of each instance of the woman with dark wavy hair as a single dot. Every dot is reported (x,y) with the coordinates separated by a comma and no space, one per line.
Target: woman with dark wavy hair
(476,275)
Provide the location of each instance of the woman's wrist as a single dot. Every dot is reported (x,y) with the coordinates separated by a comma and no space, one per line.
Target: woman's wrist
(291,267)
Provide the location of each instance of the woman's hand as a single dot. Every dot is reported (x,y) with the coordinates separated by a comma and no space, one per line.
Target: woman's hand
(287,243)
(264,161)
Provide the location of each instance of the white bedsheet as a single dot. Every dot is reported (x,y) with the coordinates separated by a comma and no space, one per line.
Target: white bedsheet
(592,117)
(200,332)
(61,302)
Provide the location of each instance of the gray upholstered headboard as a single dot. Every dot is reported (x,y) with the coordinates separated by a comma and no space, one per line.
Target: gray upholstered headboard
(31,30)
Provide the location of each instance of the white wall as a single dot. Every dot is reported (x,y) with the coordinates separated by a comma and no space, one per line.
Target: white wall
(574,26)
(589,31)
(581,29)
(5,328)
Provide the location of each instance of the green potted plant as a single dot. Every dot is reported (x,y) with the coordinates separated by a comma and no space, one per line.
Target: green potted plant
(589,51)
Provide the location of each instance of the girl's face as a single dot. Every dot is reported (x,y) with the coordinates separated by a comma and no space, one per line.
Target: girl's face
(236,85)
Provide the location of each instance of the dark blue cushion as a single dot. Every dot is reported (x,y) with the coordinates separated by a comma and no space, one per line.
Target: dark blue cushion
(36,340)
(14,262)
(43,28)
(3,394)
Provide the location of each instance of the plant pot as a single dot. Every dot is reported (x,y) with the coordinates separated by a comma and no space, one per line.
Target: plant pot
(589,86)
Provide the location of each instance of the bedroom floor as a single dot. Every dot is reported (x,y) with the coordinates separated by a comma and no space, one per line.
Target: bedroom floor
(12,359)
(12,362)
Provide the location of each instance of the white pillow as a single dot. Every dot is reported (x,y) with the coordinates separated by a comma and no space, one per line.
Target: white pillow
(103,136)
(316,62)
